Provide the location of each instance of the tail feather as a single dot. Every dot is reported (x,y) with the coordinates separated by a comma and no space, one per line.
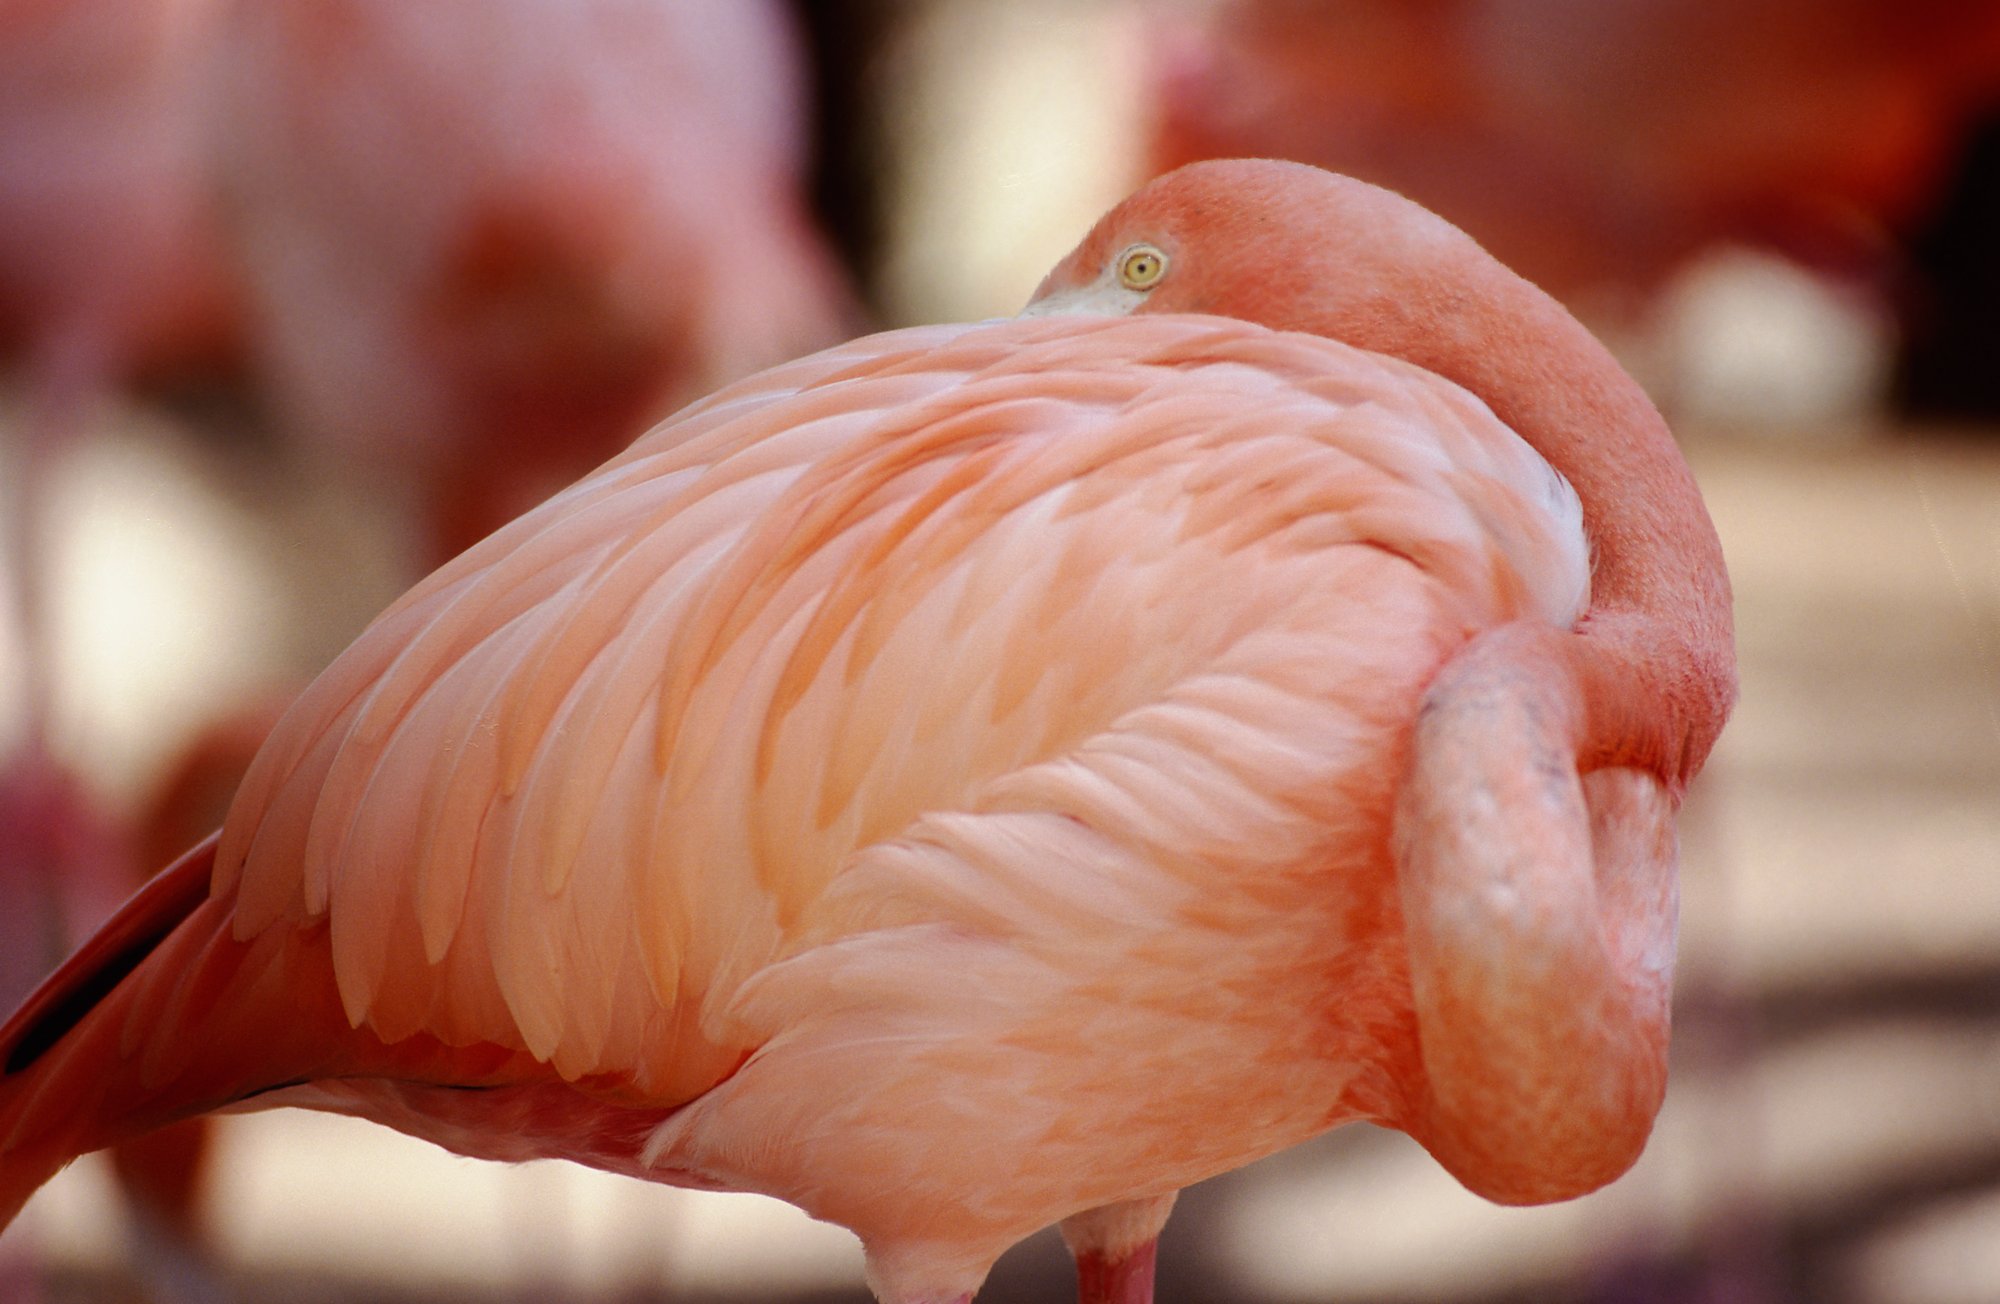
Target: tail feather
(114,951)
(166,1014)
(162,1015)
(40,1131)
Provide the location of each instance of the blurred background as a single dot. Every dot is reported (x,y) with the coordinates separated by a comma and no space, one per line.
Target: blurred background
(299,297)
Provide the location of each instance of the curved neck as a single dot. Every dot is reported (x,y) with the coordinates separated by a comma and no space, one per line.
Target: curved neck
(1656,660)
(1654,548)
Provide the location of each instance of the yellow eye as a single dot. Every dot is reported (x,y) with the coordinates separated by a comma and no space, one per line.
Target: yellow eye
(1141,267)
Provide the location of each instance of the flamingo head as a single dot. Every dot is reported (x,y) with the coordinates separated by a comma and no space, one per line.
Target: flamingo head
(1285,245)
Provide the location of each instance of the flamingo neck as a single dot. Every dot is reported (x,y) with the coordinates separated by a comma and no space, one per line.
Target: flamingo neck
(1654,657)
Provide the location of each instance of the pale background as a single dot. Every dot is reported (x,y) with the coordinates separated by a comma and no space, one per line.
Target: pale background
(1833,1127)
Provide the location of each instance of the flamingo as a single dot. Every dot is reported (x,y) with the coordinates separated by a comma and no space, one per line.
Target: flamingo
(112,271)
(985,776)
(489,245)
(110,266)
(1597,146)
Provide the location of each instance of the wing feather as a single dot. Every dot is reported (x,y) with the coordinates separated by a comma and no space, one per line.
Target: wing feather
(576,790)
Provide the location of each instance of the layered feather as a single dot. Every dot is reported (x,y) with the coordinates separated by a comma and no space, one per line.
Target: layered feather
(598,772)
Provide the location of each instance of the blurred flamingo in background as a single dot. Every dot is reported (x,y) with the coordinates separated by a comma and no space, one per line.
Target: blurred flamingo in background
(165,1174)
(1593,146)
(983,776)
(489,244)
(110,263)
(109,270)
(111,273)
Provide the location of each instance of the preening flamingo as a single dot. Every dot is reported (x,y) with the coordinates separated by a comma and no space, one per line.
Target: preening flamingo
(984,776)
(489,245)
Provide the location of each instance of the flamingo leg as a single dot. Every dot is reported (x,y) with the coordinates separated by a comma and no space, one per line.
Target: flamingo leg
(1101,1279)
(1116,1248)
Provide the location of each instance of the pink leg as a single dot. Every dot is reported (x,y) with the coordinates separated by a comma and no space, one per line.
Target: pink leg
(1115,1249)
(1129,1280)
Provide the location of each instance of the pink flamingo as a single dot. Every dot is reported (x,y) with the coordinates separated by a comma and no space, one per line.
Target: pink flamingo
(110,266)
(111,273)
(488,245)
(1596,146)
(109,270)
(985,776)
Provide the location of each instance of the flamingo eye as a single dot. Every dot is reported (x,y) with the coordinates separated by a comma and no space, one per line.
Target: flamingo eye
(1141,267)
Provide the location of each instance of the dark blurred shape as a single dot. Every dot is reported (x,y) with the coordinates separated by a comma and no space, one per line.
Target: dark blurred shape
(165,1176)
(1591,145)
(844,41)
(490,244)
(1950,364)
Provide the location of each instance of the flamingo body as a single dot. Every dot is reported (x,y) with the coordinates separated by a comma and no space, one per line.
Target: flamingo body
(971,778)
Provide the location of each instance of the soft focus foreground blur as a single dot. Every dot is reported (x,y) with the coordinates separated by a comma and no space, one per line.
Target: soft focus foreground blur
(1832,1130)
